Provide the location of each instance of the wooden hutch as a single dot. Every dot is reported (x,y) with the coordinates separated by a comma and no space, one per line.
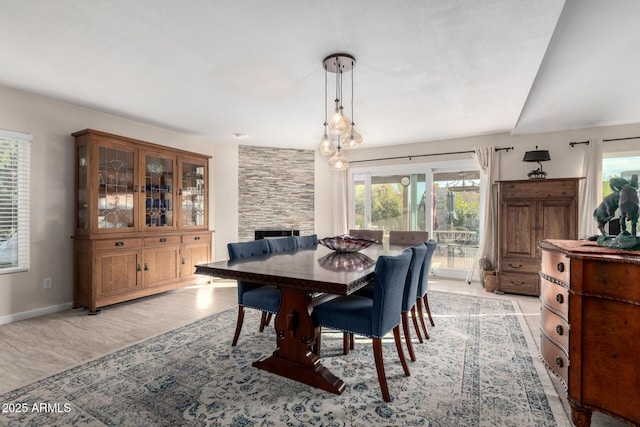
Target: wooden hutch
(141,218)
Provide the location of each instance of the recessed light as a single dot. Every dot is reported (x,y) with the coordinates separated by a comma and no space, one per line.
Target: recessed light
(241,135)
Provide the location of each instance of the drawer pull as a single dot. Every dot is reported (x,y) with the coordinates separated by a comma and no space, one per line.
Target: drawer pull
(119,243)
(560,267)
(518,284)
(163,240)
(559,362)
(515,266)
(559,330)
(196,238)
(559,298)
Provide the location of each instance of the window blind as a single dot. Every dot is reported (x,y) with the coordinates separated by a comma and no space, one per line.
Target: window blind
(15,201)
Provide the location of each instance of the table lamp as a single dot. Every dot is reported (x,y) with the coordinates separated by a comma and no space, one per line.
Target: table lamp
(537,156)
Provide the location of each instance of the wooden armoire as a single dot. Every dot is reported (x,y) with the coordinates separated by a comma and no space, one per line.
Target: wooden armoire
(530,211)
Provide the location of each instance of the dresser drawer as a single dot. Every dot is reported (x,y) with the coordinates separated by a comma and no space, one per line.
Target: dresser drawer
(197,238)
(556,265)
(554,297)
(555,358)
(555,328)
(519,283)
(520,265)
(161,241)
(117,244)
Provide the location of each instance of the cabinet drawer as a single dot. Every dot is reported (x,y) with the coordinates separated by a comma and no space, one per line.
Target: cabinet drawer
(518,265)
(161,241)
(556,265)
(533,189)
(555,358)
(197,238)
(117,244)
(555,298)
(519,283)
(555,328)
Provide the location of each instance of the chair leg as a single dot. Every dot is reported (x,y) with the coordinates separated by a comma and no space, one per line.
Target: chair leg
(382,378)
(407,335)
(426,305)
(238,325)
(421,316)
(345,343)
(414,317)
(351,342)
(266,323)
(396,336)
(263,320)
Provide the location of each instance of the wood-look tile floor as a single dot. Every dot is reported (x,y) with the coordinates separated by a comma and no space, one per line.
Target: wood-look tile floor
(36,348)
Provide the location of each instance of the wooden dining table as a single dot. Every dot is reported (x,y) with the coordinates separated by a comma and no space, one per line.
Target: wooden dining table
(301,276)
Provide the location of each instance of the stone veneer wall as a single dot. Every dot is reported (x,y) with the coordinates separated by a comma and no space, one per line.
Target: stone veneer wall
(276,190)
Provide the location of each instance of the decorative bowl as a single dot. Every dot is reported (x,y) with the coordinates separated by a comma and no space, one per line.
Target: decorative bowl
(346,243)
(155,167)
(346,261)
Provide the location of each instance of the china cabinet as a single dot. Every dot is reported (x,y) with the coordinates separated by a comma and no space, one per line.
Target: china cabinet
(141,219)
(530,211)
(589,327)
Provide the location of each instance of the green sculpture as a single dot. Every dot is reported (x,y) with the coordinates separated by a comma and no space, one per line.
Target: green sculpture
(624,200)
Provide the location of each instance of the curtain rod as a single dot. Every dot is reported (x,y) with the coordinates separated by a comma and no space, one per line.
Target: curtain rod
(426,155)
(573,144)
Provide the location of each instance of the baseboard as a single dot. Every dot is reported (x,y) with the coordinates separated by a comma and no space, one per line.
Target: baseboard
(35,313)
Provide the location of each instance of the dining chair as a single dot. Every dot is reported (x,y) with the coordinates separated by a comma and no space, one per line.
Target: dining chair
(375,317)
(282,244)
(305,242)
(368,234)
(411,284)
(422,298)
(265,298)
(407,238)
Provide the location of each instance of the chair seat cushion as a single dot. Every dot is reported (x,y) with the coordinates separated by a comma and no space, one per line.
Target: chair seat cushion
(265,298)
(352,313)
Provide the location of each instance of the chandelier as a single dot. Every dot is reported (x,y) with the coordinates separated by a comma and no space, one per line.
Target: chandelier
(339,130)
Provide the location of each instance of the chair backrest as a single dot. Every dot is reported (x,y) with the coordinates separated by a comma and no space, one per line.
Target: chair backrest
(282,244)
(412,281)
(309,241)
(408,238)
(369,234)
(248,249)
(389,277)
(426,268)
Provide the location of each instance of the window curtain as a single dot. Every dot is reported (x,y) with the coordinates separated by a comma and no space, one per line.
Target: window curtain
(484,156)
(591,188)
(340,220)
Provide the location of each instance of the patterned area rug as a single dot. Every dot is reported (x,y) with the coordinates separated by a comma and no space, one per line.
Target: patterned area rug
(476,370)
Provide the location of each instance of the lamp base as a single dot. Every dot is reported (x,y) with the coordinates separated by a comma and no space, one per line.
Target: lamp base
(537,174)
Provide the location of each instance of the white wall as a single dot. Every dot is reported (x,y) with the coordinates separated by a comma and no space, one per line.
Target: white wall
(52,192)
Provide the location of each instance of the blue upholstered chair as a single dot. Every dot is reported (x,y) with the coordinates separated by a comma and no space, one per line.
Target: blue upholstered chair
(409,297)
(375,317)
(305,242)
(265,298)
(282,244)
(424,285)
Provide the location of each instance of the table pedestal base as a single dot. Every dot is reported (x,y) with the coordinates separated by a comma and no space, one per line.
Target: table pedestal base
(317,376)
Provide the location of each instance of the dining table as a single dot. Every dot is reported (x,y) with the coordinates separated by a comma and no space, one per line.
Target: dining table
(303,276)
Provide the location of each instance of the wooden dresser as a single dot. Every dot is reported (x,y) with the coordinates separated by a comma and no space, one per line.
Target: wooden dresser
(590,327)
(530,211)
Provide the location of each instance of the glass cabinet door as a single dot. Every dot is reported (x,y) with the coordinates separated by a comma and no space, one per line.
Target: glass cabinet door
(82,183)
(193,194)
(116,183)
(158,191)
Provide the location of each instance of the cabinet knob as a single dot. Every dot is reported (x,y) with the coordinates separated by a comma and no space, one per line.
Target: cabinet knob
(196,238)
(163,240)
(119,243)
(146,266)
(138,268)
(559,362)
(560,267)
(183,261)
(559,330)
(559,298)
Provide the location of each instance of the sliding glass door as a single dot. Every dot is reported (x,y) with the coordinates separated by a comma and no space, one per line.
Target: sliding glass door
(442,198)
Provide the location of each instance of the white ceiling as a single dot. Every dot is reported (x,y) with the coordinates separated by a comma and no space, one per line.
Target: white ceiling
(426,69)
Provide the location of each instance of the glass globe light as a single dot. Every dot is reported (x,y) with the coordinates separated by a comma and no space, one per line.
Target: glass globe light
(353,139)
(327,146)
(339,162)
(338,123)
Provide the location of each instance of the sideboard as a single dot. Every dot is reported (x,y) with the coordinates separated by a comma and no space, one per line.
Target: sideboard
(590,327)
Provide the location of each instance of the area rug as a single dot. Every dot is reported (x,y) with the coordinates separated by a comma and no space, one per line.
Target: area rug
(476,370)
